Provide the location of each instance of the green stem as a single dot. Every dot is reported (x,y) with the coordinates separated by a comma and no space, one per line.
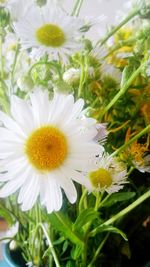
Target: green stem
(1,54)
(137,136)
(118,27)
(97,252)
(77,7)
(104,200)
(81,78)
(73,235)
(14,65)
(123,89)
(98,197)
(51,64)
(128,209)
(123,212)
(38,218)
(98,200)
(84,192)
(50,244)
(122,43)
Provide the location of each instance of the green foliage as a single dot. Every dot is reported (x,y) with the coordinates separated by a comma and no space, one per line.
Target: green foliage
(110,229)
(63,224)
(85,217)
(118,197)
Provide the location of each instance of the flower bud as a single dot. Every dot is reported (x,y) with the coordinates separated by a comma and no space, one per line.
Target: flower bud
(13,245)
(71,76)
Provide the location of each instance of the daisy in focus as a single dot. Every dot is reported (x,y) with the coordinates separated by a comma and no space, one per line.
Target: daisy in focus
(48,30)
(110,176)
(43,147)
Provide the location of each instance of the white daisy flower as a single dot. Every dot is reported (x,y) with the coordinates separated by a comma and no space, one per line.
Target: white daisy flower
(44,146)
(110,176)
(49,30)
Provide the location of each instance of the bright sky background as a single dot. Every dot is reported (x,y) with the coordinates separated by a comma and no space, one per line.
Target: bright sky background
(95,8)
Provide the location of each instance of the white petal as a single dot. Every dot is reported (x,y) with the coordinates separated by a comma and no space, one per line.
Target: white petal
(86,148)
(10,147)
(79,164)
(78,106)
(11,124)
(40,106)
(14,185)
(14,162)
(53,196)
(64,111)
(22,113)
(13,173)
(31,193)
(77,177)
(7,135)
(67,186)
(57,104)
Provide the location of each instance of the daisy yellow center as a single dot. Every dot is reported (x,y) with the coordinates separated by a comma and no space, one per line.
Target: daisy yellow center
(50,35)
(101,178)
(46,148)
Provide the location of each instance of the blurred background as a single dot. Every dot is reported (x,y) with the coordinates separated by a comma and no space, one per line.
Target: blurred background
(112,9)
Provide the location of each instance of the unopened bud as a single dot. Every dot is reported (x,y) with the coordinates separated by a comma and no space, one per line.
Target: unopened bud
(71,76)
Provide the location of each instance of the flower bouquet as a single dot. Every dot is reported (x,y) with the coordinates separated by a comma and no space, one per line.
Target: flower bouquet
(74,124)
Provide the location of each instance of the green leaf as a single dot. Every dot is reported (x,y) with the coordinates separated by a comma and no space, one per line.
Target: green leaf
(109,228)
(59,241)
(63,225)
(47,253)
(126,74)
(118,197)
(65,246)
(70,264)
(76,252)
(6,215)
(85,216)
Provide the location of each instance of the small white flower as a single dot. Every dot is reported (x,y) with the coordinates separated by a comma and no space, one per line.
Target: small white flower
(110,176)
(49,30)
(13,245)
(144,164)
(43,147)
